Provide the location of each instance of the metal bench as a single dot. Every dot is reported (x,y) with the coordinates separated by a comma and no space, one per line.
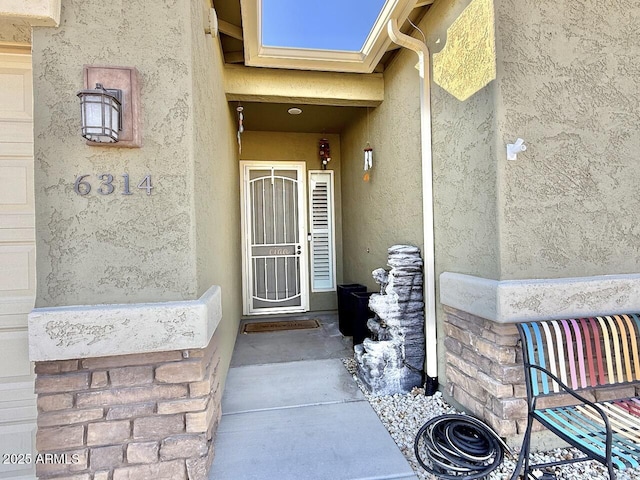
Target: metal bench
(566,356)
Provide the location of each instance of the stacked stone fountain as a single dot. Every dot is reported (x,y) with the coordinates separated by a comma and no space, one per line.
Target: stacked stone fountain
(393,362)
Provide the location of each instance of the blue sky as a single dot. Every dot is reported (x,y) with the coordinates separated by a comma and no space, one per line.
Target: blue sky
(320,24)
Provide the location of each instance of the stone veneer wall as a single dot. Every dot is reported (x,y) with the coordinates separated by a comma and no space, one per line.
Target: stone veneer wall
(485,373)
(143,416)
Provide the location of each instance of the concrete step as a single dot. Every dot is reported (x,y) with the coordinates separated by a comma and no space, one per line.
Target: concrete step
(288,385)
(338,441)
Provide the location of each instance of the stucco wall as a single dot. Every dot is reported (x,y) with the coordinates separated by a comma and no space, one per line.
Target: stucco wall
(279,146)
(10,32)
(464,151)
(216,184)
(569,80)
(115,248)
(388,209)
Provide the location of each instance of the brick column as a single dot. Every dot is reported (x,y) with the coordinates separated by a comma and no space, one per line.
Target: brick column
(484,370)
(131,417)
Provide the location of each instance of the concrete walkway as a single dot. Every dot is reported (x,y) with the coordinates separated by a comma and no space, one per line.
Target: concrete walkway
(291,411)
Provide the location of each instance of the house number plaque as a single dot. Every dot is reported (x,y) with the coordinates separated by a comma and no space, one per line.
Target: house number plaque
(108,185)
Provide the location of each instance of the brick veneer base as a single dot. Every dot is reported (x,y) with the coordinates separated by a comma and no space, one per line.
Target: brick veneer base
(485,374)
(145,416)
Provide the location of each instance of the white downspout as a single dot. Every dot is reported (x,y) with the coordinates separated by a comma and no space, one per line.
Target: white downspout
(422,50)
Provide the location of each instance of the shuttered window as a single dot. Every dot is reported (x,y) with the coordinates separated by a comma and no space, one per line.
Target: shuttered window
(321,215)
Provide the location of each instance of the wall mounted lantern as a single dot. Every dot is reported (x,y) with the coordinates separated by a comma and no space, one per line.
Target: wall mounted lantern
(110,112)
(101,114)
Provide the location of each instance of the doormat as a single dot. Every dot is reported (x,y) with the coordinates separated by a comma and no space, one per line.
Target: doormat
(263,327)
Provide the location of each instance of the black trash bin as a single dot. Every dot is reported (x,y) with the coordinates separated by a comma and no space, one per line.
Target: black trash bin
(345,306)
(361,313)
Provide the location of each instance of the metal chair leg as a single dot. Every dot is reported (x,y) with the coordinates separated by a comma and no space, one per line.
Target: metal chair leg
(524,451)
(612,473)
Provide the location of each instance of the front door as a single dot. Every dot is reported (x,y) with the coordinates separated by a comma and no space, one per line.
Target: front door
(274,260)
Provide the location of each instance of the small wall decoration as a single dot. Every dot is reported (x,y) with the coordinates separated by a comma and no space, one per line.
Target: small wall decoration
(368,153)
(325,152)
(240,109)
(368,162)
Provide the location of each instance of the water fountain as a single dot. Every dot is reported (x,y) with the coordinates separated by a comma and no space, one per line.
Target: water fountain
(393,361)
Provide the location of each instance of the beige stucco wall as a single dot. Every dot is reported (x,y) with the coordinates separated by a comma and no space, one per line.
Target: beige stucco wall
(216,184)
(279,146)
(115,248)
(464,152)
(388,209)
(13,32)
(569,83)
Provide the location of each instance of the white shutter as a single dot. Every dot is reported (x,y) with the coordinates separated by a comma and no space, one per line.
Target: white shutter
(321,215)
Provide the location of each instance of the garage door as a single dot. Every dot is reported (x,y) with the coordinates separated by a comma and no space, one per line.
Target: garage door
(17,261)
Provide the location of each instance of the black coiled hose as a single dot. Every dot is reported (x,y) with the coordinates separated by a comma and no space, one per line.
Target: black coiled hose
(458,446)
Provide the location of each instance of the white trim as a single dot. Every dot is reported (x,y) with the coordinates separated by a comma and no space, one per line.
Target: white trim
(247,278)
(364,61)
(332,228)
(61,333)
(510,301)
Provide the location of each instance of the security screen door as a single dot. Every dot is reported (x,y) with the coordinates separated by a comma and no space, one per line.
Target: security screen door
(275,264)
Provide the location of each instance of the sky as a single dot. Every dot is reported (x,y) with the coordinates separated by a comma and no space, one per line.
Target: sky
(318,24)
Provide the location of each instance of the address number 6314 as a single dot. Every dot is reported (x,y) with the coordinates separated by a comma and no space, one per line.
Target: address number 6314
(82,186)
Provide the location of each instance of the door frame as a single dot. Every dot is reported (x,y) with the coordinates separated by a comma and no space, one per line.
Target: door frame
(247,278)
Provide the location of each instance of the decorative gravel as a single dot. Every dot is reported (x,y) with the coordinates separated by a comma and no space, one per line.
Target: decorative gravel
(404,414)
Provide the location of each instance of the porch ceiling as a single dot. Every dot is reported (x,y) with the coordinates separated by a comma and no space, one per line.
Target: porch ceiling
(273,117)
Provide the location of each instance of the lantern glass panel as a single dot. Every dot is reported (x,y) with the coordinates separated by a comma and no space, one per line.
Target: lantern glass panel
(100,114)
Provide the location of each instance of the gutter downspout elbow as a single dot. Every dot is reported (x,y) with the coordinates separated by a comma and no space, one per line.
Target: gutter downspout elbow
(422,51)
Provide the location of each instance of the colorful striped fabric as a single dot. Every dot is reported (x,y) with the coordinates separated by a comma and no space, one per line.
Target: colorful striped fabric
(587,353)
